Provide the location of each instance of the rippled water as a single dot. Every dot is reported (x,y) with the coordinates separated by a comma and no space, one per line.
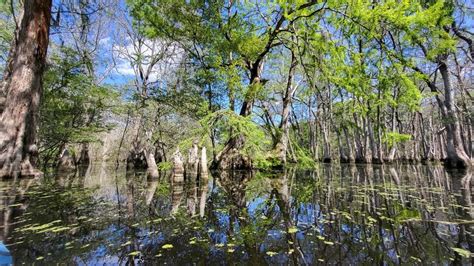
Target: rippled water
(408,214)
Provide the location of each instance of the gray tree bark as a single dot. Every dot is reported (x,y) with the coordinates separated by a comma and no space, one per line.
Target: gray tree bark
(281,146)
(457,156)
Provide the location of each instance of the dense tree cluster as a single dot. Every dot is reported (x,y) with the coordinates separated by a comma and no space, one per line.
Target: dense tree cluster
(357,81)
(259,83)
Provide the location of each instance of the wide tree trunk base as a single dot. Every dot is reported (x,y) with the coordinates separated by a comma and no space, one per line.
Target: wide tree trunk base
(232,160)
(28,170)
(21,90)
(326,160)
(66,163)
(277,158)
(152,169)
(136,160)
(84,158)
(458,162)
(178,168)
(377,161)
(362,160)
(344,159)
(141,160)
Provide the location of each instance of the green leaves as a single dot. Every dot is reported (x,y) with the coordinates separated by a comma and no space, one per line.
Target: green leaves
(7,28)
(239,126)
(251,45)
(463,252)
(72,103)
(358,60)
(134,253)
(167,246)
(407,215)
(392,138)
(410,93)
(292,230)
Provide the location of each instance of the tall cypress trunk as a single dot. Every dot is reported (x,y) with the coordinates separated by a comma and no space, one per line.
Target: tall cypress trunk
(312,131)
(415,147)
(326,144)
(378,157)
(324,123)
(373,148)
(443,155)
(88,69)
(367,158)
(426,147)
(343,158)
(359,148)
(380,148)
(457,156)
(23,84)
(393,148)
(350,154)
(281,146)
(192,165)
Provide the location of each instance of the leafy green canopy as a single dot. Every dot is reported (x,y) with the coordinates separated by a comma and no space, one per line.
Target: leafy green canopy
(366,51)
(69,95)
(7,28)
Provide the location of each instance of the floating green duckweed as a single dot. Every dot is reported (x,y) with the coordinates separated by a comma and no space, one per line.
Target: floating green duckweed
(167,246)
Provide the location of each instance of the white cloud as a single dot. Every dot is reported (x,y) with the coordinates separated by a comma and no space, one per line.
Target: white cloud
(105,41)
(167,54)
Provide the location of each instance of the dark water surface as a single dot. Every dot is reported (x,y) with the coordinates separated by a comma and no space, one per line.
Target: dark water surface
(407,214)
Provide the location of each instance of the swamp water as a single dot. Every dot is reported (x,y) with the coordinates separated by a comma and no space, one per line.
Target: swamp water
(405,214)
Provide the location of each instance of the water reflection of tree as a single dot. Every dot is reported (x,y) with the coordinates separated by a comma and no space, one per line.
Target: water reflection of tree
(177,193)
(62,215)
(336,215)
(65,178)
(140,202)
(283,196)
(366,212)
(462,181)
(130,233)
(13,192)
(234,184)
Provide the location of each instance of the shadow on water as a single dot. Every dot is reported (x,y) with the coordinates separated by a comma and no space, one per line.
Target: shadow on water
(399,214)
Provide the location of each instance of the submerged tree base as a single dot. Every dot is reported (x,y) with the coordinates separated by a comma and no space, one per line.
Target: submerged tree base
(233,160)
(25,172)
(231,157)
(458,163)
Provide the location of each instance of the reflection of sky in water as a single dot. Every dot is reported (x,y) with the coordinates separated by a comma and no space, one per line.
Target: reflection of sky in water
(353,215)
(5,256)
